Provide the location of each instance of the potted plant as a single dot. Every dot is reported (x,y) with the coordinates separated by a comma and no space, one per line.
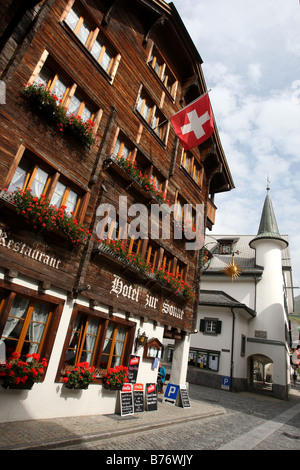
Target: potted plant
(80,376)
(20,374)
(115,378)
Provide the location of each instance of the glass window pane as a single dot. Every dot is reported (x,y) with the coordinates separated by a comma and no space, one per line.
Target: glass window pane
(39,182)
(19,177)
(106,60)
(96,49)
(90,340)
(74,105)
(71,202)
(86,114)
(84,32)
(58,194)
(14,324)
(44,76)
(36,329)
(73,18)
(59,88)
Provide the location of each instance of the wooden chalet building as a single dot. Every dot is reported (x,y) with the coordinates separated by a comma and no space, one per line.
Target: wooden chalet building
(68,291)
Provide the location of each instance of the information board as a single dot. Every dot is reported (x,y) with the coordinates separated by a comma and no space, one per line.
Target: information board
(138,398)
(126,400)
(151,397)
(184,397)
(133,368)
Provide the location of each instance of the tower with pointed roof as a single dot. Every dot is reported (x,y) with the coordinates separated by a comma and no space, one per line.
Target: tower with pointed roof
(267,333)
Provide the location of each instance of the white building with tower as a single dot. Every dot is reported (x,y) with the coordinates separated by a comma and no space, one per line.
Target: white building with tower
(243,336)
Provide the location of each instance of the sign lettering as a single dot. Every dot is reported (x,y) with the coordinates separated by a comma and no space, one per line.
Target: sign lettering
(30,252)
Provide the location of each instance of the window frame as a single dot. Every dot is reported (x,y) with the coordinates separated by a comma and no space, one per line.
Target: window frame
(54,176)
(105,319)
(49,334)
(213,331)
(163,72)
(95,34)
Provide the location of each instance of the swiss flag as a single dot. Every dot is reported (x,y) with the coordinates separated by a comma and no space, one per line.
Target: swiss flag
(194,123)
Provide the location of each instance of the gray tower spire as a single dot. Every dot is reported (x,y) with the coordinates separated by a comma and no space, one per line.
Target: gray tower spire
(268,226)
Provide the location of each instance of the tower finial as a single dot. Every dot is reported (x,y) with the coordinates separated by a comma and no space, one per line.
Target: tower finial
(268,183)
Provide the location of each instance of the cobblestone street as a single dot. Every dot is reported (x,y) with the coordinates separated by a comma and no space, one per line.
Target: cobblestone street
(245,413)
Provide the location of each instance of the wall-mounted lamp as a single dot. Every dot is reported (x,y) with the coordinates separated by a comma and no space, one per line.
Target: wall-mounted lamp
(140,340)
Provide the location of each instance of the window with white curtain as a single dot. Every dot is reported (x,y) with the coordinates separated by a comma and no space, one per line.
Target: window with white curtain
(25,326)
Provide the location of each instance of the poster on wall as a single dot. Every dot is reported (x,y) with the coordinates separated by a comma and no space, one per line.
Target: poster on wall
(133,367)
(151,397)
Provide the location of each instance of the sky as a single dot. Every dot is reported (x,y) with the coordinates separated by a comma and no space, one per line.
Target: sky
(251,62)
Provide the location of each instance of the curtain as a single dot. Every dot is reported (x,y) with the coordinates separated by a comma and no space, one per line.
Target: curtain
(90,338)
(119,344)
(37,326)
(18,311)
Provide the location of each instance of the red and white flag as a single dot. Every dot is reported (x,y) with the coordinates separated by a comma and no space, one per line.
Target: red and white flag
(194,123)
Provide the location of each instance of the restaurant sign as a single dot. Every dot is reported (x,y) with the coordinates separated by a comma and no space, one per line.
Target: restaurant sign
(29,251)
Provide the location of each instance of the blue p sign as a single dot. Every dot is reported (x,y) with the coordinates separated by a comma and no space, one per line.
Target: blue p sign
(171,393)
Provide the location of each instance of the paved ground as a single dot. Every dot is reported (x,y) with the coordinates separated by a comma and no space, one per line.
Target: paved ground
(217,419)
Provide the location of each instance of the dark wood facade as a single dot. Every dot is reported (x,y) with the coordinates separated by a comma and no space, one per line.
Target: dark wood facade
(150,63)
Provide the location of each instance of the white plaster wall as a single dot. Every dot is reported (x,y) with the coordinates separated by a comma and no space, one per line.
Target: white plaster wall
(49,399)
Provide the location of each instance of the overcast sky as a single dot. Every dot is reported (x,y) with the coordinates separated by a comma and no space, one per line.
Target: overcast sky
(251,62)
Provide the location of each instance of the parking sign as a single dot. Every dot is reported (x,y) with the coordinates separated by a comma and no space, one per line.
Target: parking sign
(171,393)
(225,383)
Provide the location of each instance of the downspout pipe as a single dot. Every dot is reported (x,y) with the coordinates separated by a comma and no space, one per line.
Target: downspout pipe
(232,349)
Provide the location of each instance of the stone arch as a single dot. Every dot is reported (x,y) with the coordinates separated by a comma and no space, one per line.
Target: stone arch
(260,373)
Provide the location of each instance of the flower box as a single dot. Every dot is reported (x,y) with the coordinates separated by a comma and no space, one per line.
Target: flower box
(41,215)
(79,377)
(44,101)
(19,374)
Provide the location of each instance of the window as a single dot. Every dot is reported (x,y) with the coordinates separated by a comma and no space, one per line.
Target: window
(208,360)
(83,340)
(102,342)
(191,166)
(153,116)
(210,326)
(225,247)
(33,174)
(90,36)
(66,91)
(162,70)
(123,148)
(25,326)
(112,353)
(151,255)
(28,322)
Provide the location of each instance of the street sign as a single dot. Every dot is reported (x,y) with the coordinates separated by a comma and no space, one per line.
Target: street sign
(171,393)
(225,383)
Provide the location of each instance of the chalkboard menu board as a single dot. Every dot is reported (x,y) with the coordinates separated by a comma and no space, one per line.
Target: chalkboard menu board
(185,401)
(133,368)
(151,397)
(126,400)
(138,398)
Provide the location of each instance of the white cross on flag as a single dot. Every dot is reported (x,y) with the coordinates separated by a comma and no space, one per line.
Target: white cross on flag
(194,123)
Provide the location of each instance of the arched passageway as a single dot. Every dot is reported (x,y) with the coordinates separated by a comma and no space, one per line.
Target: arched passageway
(260,373)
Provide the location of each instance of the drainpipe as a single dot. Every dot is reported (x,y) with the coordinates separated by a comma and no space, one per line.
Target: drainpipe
(232,348)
